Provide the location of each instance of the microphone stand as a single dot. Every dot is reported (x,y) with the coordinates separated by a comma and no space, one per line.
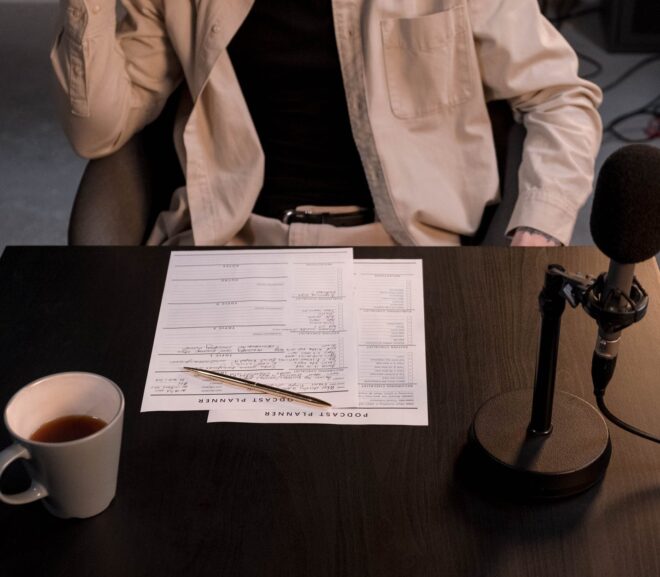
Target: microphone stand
(552,307)
(563,448)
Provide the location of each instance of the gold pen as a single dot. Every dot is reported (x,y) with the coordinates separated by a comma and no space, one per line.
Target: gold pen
(259,388)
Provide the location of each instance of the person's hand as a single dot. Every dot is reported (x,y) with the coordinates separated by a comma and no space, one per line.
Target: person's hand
(531,237)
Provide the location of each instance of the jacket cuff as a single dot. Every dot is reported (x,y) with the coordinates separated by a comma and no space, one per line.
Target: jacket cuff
(538,210)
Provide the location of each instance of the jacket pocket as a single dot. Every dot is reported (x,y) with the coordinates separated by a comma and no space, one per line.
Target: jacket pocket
(427,62)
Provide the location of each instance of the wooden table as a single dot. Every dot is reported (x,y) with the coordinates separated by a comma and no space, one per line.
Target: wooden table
(238,499)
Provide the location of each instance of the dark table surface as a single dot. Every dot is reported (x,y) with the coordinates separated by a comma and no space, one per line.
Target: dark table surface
(234,499)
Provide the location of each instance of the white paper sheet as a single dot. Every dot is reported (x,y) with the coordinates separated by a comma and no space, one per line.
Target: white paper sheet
(279,317)
(389,311)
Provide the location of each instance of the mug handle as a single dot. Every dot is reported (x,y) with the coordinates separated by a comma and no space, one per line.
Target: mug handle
(36,490)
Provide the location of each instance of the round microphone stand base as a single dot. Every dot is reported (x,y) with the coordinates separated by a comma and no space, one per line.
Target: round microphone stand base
(570,459)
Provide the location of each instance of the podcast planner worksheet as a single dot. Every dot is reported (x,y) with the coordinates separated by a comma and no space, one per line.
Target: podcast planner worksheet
(390,354)
(278,317)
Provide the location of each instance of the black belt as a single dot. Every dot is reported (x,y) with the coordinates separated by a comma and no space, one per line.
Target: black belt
(353,218)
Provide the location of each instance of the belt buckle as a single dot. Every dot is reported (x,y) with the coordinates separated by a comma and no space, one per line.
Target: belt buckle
(292,215)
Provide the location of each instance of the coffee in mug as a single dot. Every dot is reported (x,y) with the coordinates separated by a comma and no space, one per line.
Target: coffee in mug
(67,429)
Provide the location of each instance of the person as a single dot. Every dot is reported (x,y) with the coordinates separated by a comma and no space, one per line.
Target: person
(312,122)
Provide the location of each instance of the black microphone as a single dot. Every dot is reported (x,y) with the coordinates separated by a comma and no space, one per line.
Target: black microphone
(565,447)
(625,226)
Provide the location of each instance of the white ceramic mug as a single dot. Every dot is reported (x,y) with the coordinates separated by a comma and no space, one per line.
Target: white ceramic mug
(74,478)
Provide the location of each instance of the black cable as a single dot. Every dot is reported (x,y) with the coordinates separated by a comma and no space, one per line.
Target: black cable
(600,400)
(598,67)
(630,71)
(652,108)
(564,12)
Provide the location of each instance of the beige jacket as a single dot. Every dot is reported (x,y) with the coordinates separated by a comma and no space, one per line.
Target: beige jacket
(417,75)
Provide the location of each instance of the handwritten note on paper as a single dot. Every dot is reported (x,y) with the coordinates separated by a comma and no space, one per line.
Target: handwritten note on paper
(391,353)
(278,317)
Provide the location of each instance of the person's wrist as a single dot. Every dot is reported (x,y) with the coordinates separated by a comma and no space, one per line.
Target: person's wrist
(527,236)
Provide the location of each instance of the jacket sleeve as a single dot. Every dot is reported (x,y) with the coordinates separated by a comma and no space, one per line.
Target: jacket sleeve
(525,60)
(111,81)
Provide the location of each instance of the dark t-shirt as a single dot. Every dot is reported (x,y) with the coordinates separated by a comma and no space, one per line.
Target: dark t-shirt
(286,61)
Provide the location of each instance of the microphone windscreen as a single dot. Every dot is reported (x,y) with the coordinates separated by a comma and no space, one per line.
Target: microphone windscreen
(625,218)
